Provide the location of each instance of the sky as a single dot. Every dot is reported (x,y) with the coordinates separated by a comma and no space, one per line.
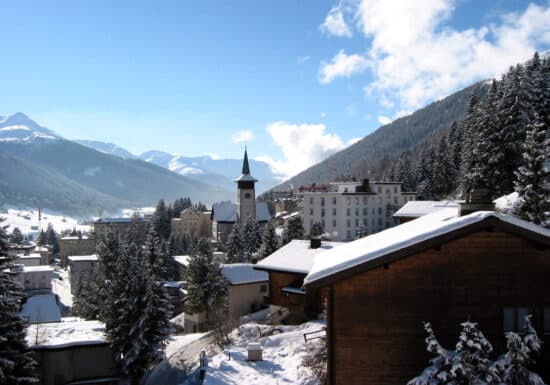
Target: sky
(293,80)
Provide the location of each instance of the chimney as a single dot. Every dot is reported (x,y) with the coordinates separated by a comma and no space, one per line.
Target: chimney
(315,243)
(478,200)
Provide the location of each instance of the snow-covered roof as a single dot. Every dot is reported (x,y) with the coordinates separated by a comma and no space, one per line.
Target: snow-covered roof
(225,212)
(114,220)
(295,257)
(181,259)
(30,256)
(40,309)
(65,334)
(83,258)
(246,178)
(291,215)
(243,273)
(74,238)
(262,212)
(375,246)
(37,268)
(415,209)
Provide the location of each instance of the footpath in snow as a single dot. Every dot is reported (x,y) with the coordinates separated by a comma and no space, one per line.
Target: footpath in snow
(284,351)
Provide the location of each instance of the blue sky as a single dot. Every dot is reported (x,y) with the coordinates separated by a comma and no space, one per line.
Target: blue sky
(296,80)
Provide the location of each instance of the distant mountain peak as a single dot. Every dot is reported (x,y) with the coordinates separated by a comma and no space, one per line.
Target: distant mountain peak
(107,148)
(20,128)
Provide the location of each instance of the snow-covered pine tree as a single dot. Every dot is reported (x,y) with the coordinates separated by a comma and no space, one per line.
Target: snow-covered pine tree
(162,220)
(472,363)
(512,367)
(16,236)
(16,363)
(294,230)
(469,134)
(252,237)
(51,239)
(454,143)
(141,315)
(442,170)
(235,245)
(158,253)
(424,172)
(360,232)
(440,371)
(316,230)
(270,240)
(205,284)
(533,175)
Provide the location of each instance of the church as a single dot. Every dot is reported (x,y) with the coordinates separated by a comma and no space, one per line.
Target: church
(226,214)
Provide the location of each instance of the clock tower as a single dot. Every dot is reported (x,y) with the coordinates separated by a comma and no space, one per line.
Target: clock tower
(246,194)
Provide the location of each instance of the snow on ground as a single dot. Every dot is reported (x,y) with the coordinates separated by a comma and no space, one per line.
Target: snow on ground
(283,356)
(28,223)
(177,342)
(61,285)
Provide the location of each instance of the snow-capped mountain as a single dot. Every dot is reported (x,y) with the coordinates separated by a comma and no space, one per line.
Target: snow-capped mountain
(19,128)
(107,148)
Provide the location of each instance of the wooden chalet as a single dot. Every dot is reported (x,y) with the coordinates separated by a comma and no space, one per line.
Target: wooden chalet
(287,267)
(443,268)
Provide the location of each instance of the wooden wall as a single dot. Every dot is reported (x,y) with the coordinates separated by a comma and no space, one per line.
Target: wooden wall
(377,331)
(309,305)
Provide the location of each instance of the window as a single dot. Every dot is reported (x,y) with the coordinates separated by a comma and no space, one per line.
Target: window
(322,213)
(379,210)
(356,222)
(349,223)
(322,201)
(349,234)
(323,223)
(333,212)
(263,289)
(247,195)
(333,201)
(311,212)
(395,200)
(514,318)
(365,200)
(310,200)
(334,223)
(365,211)
(379,189)
(395,189)
(357,211)
(347,201)
(379,221)
(356,201)
(547,320)
(348,211)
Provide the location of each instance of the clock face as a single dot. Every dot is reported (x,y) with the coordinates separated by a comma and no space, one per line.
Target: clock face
(247,195)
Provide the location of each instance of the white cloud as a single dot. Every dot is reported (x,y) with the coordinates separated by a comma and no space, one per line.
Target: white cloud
(416,57)
(335,24)
(342,65)
(302,145)
(384,120)
(242,136)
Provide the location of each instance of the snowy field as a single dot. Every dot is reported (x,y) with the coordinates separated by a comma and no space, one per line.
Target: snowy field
(283,356)
(29,224)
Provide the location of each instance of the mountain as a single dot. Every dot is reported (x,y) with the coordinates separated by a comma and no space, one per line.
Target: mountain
(369,156)
(219,172)
(107,148)
(40,168)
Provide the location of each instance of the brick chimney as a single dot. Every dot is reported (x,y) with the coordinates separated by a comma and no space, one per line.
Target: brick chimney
(479,199)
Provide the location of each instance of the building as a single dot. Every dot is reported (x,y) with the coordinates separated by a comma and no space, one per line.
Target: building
(121,225)
(287,268)
(32,259)
(81,268)
(341,206)
(33,279)
(194,223)
(416,209)
(443,268)
(75,246)
(72,353)
(45,254)
(246,290)
(226,214)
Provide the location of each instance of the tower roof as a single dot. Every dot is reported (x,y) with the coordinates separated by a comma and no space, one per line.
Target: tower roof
(245,173)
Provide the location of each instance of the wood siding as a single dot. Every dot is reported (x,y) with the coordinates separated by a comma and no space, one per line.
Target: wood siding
(377,336)
(309,305)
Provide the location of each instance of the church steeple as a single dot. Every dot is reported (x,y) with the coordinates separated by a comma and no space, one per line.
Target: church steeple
(246,167)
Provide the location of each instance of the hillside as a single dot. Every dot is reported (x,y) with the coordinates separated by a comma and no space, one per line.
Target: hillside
(371,152)
(71,178)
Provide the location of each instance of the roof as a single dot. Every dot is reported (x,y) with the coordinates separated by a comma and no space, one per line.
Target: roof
(182,260)
(415,209)
(295,257)
(114,220)
(74,238)
(30,256)
(83,258)
(65,334)
(37,268)
(409,238)
(246,178)
(40,309)
(243,273)
(225,212)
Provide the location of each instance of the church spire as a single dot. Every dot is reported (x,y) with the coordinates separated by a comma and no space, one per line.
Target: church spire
(246,167)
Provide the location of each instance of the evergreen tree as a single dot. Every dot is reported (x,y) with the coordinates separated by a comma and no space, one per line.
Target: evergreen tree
(51,239)
(424,172)
(360,232)
(316,230)
(468,128)
(270,241)
(205,284)
(252,238)
(533,176)
(162,220)
(235,246)
(41,240)
(473,355)
(294,229)
(16,365)
(442,174)
(157,253)
(454,144)
(16,236)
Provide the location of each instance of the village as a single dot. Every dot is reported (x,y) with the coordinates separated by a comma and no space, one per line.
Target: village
(355,269)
